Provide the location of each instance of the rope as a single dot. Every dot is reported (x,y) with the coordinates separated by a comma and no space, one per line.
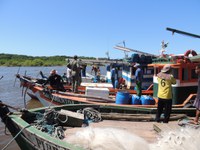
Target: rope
(90,114)
(53,97)
(15,137)
(62,121)
(25,92)
(49,123)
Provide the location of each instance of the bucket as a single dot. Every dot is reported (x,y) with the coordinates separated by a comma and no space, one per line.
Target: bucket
(147,100)
(135,100)
(122,97)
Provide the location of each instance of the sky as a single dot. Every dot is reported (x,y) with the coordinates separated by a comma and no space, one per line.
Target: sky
(91,28)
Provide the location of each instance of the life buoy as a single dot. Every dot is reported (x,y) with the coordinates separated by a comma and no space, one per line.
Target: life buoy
(190,53)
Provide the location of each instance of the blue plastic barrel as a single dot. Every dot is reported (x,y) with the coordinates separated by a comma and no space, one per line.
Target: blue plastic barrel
(135,57)
(122,97)
(135,100)
(147,100)
(95,79)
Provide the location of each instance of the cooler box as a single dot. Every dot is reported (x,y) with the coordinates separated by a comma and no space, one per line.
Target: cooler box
(100,92)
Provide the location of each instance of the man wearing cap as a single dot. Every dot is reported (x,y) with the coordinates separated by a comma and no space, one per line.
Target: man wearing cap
(55,81)
(138,79)
(165,81)
(75,67)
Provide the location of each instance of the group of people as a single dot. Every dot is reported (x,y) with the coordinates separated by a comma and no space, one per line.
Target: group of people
(119,83)
(72,76)
(165,82)
(97,73)
(75,70)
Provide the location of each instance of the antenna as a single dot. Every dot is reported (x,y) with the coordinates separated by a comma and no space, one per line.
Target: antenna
(163,45)
(107,54)
(123,48)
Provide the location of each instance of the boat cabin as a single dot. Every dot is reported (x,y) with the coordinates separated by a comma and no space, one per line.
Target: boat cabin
(127,71)
(184,71)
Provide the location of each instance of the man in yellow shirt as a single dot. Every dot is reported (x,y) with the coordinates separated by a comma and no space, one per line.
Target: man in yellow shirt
(165,81)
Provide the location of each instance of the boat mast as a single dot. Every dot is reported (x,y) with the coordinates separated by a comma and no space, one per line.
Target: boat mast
(125,49)
(182,32)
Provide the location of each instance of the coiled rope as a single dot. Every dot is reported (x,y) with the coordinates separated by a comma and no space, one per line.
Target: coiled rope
(90,114)
(49,123)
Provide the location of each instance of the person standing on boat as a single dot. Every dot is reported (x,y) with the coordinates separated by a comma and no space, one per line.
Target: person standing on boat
(165,81)
(117,77)
(98,74)
(80,70)
(113,72)
(75,67)
(69,72)
(197,100)
(55,81)
(138,79)
(94,68)
(84,66)
(69,76)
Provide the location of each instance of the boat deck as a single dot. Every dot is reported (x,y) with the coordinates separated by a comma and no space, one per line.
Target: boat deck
(142,129)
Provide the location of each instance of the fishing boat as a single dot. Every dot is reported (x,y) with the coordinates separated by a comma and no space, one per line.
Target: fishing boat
(183,69)
(48,127)
(96,96)
(124,69)
(27,83)
(184,92)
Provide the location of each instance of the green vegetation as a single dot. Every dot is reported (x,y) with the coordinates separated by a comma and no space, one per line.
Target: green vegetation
(23,60)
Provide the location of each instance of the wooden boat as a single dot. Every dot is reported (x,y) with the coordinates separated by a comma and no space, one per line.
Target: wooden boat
(183,69)
(50,97)
(184,92)
(44,128)
(125,70)
(27,81)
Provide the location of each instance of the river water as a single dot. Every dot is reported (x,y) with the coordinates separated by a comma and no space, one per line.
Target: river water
(11,93)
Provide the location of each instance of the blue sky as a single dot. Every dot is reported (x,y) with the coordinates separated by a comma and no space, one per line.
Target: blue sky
(92,27)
